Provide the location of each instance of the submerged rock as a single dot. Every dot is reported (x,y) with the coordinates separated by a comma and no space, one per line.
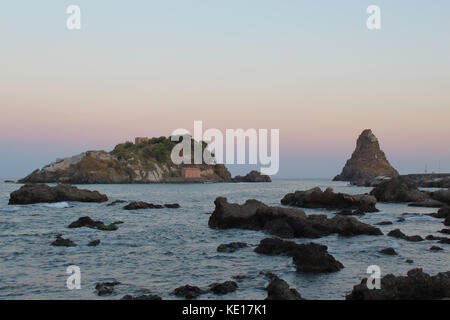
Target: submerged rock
(141,297)
(106,288)
(187,291)
(367,162)
(388,251)
(311,257)
(417,285)
(316,198)
(223,288)
(42,193)
(428,203)
(284,222)
(436,248)
(136,205)
(252,176)
(94,243)
(396,233)
(278,289)
(231,247)
(61,242)
(88,222)
(172,205)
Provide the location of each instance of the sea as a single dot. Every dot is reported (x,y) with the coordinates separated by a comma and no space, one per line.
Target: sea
(157,250)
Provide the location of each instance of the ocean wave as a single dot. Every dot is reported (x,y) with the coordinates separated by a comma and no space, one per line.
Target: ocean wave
(57,205)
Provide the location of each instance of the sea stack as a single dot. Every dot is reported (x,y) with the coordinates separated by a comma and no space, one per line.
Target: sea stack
(368,161)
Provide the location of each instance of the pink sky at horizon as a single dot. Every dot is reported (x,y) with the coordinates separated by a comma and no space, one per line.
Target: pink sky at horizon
(314,72)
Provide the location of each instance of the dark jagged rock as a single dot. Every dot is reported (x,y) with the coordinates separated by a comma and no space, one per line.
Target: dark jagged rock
(431,237)
(447,221)
(42,193)
(311,257)
(94,243)
(141,297)
(89,223)
(223,288)
(137,205)
(172,205)
(417,285)
(436,248)
(442,213)
(398,234)
(388,251)
(9,181)
(61,242)
(384,223)
(367,162)
(284,222)
(444,240)
(106,288)
(115,202)
(252,176)
(187,291)
(446,231)
(409,261)
(398,190)
(278,289)
(316,198)
(442,196)
(401,219)
(231,247)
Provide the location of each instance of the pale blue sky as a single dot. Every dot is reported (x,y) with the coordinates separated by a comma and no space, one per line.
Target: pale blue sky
(309,68)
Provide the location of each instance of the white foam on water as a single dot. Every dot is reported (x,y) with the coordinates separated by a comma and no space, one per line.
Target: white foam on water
(57,205)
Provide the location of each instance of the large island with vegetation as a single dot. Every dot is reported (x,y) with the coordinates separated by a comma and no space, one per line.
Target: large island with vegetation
(146,162)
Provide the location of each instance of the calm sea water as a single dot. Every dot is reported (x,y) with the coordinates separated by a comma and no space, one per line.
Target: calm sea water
(155,251)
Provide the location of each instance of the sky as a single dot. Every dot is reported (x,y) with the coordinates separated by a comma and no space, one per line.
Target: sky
(311,69)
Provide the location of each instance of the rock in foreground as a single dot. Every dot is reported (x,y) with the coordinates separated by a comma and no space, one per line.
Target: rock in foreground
(223,288)
(88,222)
(278,289)
(316,198)
(187,291)
(61,242)
(396,233)
(399,190)
(284,222)
(417,285)
(311,257)
(368,161)
(42,193)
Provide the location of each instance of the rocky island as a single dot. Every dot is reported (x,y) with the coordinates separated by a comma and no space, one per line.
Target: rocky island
(367,162)
(146,161)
